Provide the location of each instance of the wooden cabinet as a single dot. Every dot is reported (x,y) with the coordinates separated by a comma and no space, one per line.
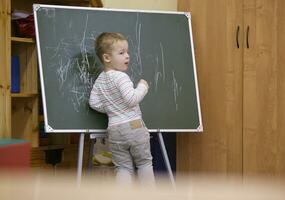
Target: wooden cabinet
(264,88)
(238,47)
(219,68)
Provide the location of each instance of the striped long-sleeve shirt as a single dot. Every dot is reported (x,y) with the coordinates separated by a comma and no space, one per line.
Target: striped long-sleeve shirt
(113,93)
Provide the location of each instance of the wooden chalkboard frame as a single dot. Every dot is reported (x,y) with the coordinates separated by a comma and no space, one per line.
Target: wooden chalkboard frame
(49,128)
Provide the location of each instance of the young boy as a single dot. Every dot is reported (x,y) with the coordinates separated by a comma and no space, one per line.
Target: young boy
(114,94)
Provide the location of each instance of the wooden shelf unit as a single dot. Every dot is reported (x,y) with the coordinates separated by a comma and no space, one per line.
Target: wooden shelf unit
(24,105)
(19,118)
(20,111)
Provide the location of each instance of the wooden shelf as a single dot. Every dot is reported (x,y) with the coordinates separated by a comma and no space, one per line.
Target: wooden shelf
(21,95)
(25,40)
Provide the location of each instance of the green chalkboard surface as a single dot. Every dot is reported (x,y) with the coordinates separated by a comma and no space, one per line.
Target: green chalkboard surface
(161,50)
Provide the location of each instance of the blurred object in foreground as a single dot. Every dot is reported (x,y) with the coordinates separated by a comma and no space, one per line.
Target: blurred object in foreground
(41,187)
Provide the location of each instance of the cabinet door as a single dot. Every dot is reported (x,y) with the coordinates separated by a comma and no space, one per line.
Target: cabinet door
(264,88)
(217,25)
(5,102)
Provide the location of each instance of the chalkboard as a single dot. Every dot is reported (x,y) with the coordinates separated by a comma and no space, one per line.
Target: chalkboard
(161,51)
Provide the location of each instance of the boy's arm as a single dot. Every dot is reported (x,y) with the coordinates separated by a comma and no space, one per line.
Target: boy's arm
(94,101)
(132,96)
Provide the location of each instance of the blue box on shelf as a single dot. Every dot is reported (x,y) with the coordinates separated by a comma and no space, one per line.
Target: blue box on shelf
(15,74)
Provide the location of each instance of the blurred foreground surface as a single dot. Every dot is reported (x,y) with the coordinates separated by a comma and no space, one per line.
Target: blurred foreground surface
(44,186)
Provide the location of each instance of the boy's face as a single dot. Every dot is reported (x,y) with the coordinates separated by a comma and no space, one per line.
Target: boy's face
(119,57)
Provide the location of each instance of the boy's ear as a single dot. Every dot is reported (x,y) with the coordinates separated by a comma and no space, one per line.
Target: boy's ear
(106,58)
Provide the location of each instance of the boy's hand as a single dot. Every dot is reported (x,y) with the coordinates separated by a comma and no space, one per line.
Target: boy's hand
(143,82)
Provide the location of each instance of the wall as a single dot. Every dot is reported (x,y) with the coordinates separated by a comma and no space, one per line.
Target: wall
(170,5)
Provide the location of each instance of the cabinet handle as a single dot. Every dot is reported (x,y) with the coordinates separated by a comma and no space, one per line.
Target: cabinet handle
(247,35)
(237,36)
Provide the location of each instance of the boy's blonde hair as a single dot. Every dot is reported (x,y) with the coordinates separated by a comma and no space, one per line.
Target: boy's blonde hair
(104,42)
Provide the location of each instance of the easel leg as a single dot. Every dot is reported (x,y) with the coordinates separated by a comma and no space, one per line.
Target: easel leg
(166,159)
(93,137)
(80,158)
(91,149)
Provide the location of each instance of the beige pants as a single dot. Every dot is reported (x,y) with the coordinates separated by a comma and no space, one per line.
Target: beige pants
(130,147)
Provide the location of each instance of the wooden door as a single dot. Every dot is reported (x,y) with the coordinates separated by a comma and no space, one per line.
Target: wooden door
(5,102)
(264,88)
(216,26)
